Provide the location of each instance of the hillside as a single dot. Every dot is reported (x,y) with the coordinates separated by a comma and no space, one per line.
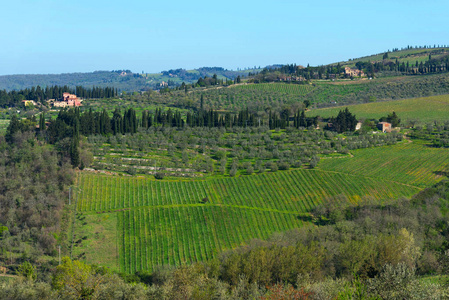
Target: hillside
(260,96)
(409,61)
(123,80)
(410,55)
(137,223)
(425,109)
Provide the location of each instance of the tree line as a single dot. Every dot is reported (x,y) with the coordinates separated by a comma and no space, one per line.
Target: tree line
(99,122)
(432,65)
(39,94)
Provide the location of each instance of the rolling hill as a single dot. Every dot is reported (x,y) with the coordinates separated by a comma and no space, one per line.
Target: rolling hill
(123,80)
(424,109)
(137,223)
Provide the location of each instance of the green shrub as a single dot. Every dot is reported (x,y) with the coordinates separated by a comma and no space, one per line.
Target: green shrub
(159,175)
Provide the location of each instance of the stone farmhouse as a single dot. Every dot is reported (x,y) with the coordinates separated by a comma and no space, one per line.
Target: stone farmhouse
(384,126)
(68,99)
(354,72)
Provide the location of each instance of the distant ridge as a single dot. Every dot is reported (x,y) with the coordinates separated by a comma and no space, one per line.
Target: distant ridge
(123,80)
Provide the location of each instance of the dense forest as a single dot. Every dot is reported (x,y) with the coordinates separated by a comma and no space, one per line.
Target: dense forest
(33,185)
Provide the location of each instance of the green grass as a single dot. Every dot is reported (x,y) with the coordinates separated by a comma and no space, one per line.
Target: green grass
(427,109)
(96,239)
(436,279)
(5,279)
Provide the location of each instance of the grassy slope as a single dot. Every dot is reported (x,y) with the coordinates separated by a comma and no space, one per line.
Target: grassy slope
(164,222)
(410,55)
(425,109)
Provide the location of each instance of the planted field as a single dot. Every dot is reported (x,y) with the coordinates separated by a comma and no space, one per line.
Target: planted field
(177,222)
(363,91)
(285,88)
(172,236)
(426,109)
(212,151)
(236,98)
(140,223)
(300,190)
(409,163)
(324,93)
(288,192)
(3,125)
(104,193)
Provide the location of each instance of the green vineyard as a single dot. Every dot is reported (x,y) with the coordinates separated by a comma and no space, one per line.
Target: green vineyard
(285,192)
(282,88)
(133,223)
(178,222)
(409,163)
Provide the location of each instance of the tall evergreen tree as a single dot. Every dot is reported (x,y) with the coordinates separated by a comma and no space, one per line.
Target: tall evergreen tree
(42,122)
(14,126)
(74,151)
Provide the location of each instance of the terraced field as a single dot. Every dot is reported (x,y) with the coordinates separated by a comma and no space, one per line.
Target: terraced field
(281,88)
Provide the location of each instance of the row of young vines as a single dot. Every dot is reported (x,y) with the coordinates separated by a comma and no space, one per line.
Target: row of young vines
(180,222)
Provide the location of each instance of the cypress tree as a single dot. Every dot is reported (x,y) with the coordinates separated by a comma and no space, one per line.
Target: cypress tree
(145,119)
(106,122)
(14,126)
(42,122)
(74,152)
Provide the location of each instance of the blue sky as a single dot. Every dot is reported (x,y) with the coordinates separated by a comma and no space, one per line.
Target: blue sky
(50,36)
